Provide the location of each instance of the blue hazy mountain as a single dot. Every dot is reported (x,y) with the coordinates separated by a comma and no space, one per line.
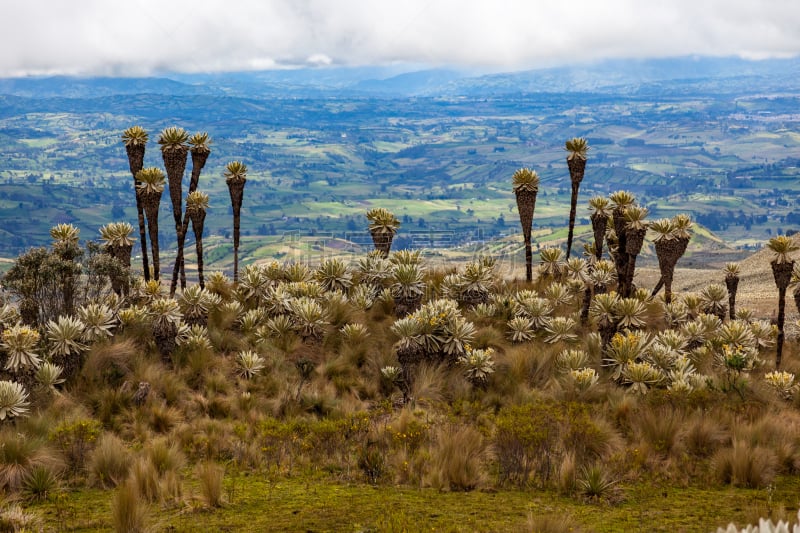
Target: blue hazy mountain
(613,76)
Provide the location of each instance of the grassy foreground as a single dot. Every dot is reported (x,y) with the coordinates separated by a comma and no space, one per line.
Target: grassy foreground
(311,503)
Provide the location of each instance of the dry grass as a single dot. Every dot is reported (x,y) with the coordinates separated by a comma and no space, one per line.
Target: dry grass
(209,476)
(659,430)
(458,456)
(704,434)
(745,465)
(110,461)
(129,510)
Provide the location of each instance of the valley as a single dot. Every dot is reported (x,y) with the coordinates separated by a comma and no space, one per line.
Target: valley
(319,158)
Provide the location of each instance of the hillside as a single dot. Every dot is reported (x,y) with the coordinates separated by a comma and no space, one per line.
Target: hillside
(713,138)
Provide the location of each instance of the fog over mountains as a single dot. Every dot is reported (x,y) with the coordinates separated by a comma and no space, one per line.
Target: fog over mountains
(626,77)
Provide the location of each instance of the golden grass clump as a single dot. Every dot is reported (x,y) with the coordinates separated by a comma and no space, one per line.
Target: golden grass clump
(457,460)
(129,509)
(19,455)
(210,476)
(744,465)
(704,434)
(109,462)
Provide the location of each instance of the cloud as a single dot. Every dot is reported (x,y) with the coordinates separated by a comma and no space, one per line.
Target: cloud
(146,36)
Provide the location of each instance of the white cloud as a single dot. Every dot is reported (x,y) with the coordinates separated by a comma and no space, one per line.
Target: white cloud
(319,60)
(141,36)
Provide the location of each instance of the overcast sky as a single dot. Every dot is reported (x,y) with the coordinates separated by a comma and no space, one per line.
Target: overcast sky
(138,37)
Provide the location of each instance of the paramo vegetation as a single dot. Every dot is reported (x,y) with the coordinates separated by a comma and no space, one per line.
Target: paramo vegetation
(383,370)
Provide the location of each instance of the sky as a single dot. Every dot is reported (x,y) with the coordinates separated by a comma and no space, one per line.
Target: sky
(145,37)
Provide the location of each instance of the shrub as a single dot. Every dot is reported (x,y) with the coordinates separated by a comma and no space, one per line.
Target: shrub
(372,461)
(703,435)
(109,364)
(165,457)
(15,518)
(551,524)
(659,429)
(144,480)
(525,440)
(75,439)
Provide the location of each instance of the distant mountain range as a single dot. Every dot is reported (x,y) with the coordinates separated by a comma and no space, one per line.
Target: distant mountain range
(714,75)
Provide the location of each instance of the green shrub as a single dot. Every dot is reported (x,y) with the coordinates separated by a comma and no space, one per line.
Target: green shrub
(530,439)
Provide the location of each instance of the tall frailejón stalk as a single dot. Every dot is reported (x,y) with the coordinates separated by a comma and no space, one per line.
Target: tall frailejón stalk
(600,208)
(620,200)
(576,162)
(731,272)
(196,206)
(149,189)
(672,239)
(135,139)
(118,244)
(525,183)
(236,177)
(199,149)
(635,230)
(782,268)
(174,152)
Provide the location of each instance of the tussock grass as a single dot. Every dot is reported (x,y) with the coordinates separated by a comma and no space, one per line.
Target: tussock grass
(745,465)
(209,476)
(704,434)
(109,462)
(457,460)
(129,510)
(659,431)
(19,456)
